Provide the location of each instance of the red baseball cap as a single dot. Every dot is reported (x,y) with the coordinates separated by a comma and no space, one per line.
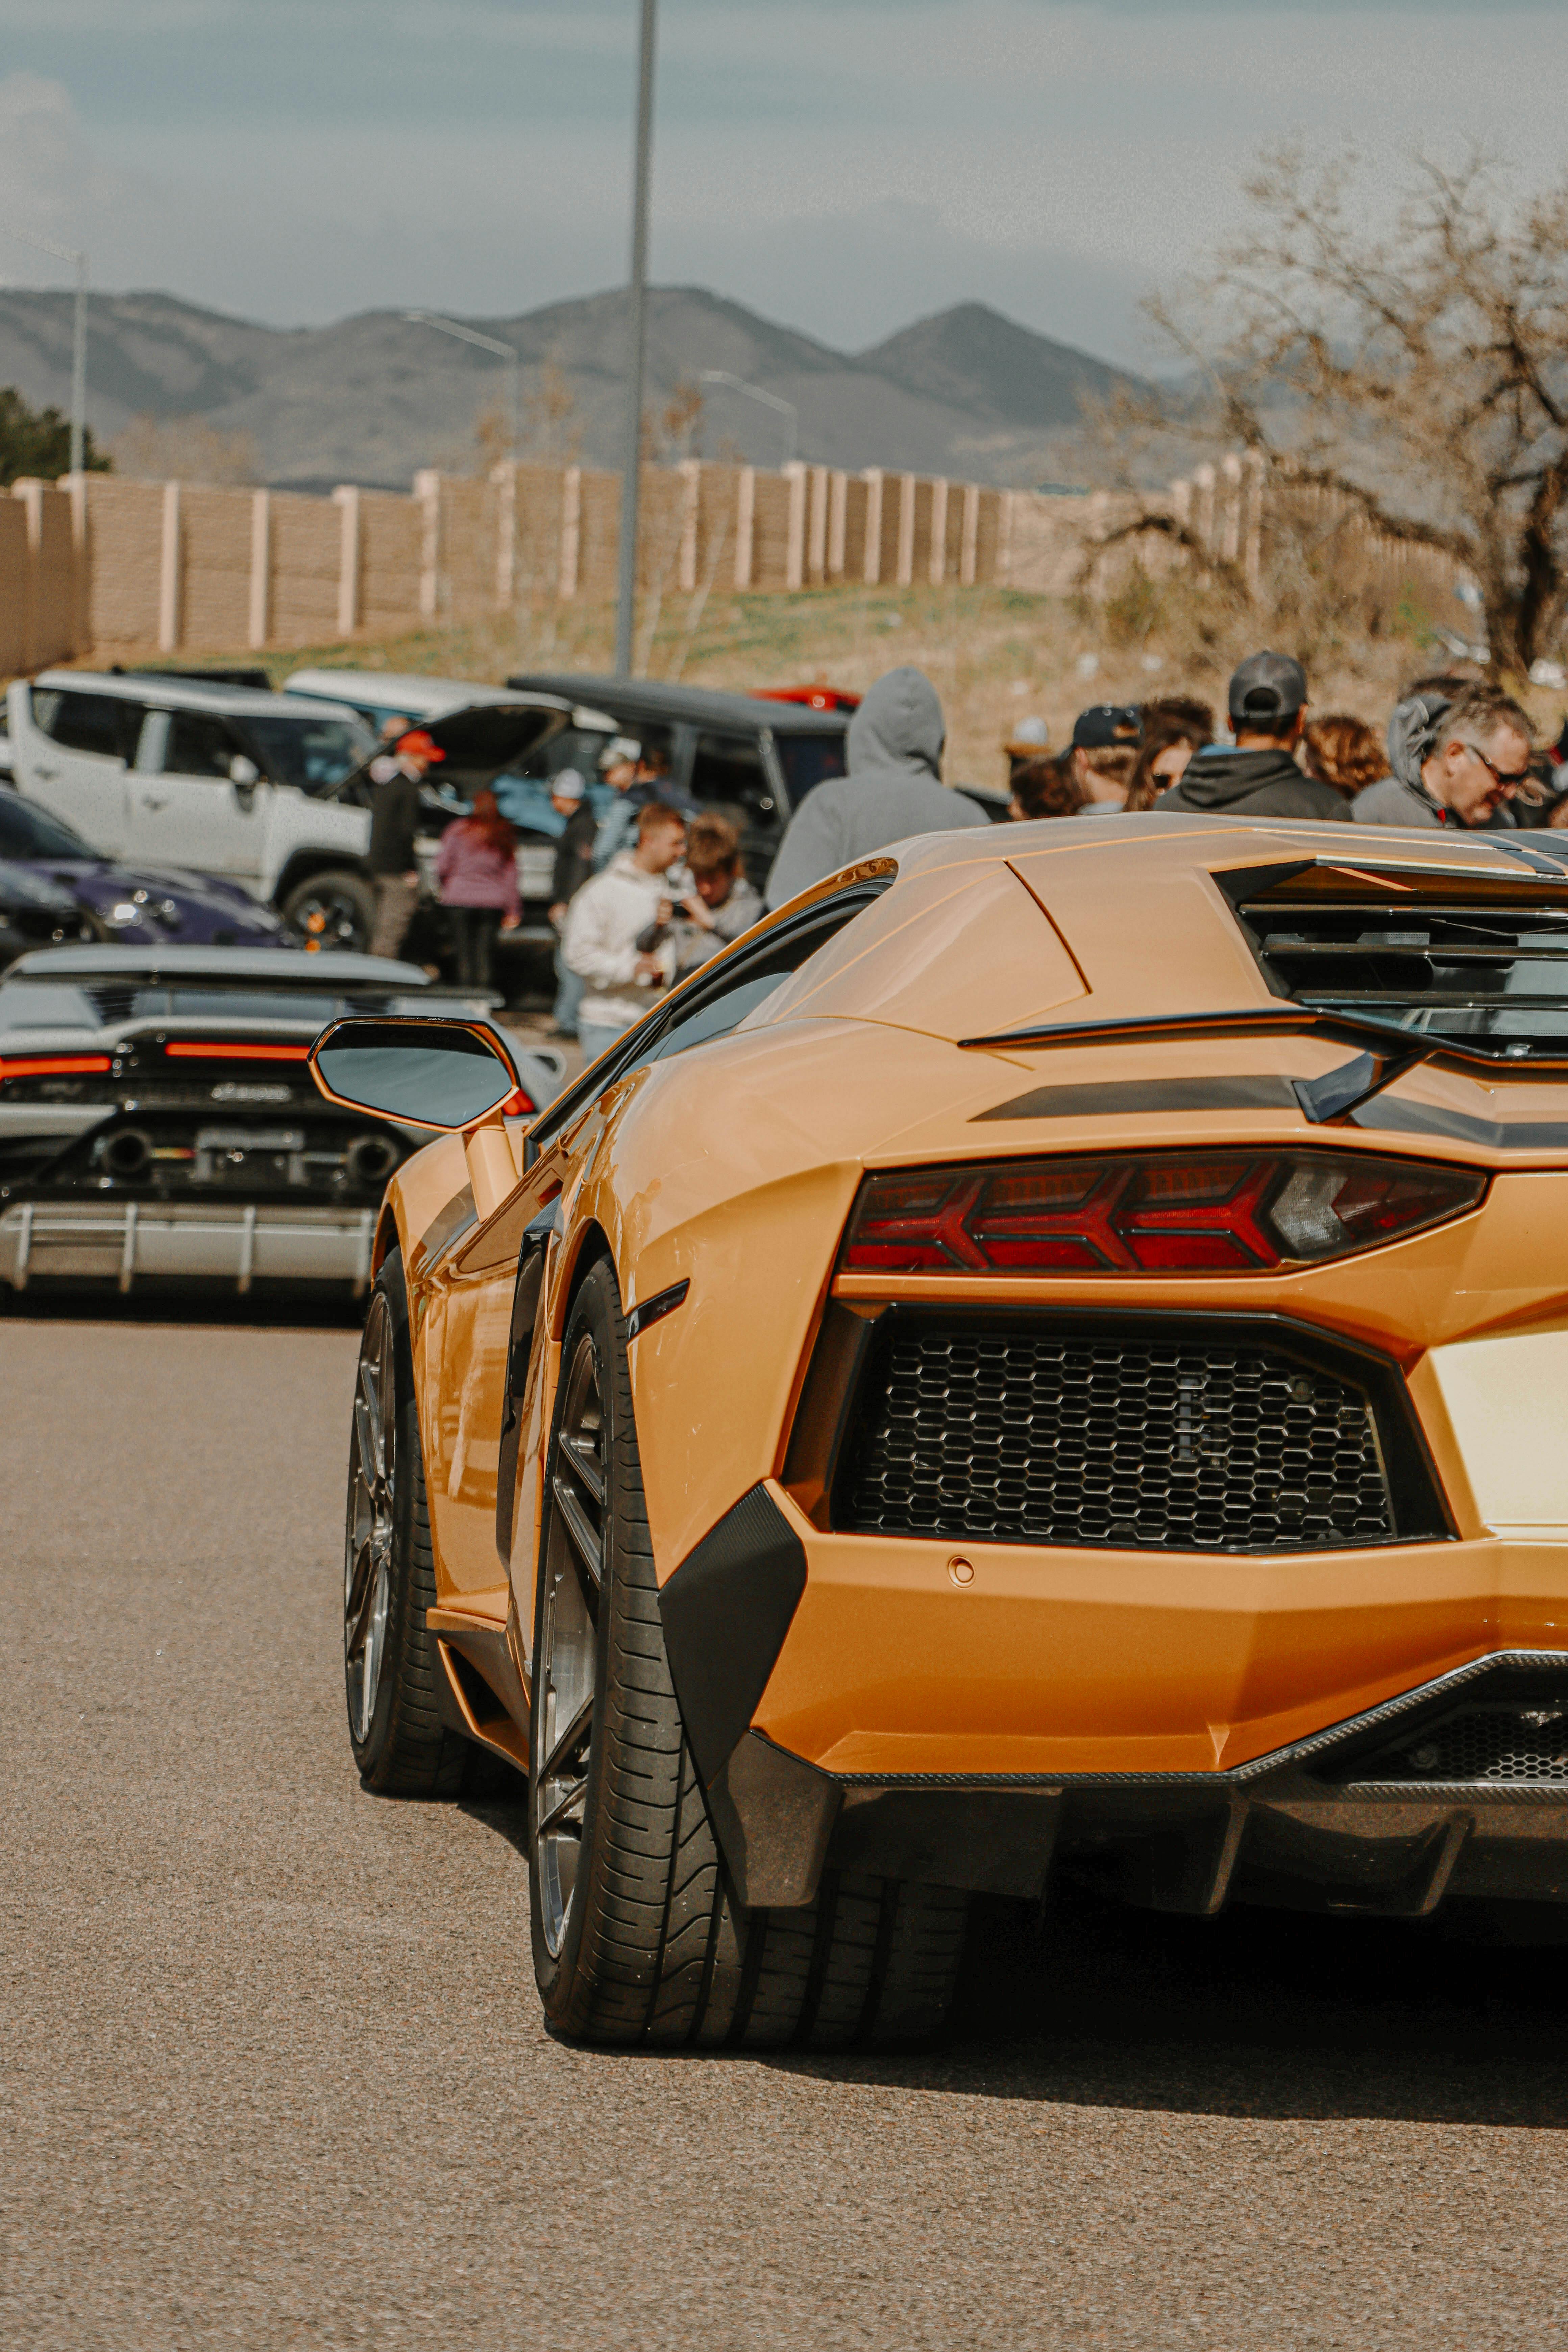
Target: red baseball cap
(416,740)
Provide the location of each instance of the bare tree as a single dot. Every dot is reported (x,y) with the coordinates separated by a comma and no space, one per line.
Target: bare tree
(1422,374)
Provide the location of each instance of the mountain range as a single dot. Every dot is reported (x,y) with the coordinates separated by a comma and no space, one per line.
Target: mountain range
(966,392)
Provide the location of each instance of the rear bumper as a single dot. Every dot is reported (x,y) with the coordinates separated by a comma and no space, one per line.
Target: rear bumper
(125,1242)
(1191,1729)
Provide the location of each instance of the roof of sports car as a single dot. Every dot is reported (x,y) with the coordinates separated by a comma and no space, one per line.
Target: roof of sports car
(286,966)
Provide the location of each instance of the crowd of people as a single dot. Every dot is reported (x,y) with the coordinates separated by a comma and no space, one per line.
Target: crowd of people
(644,894)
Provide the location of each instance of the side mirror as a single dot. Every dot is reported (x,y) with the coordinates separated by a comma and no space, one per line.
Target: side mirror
(420,1071)
(244,775)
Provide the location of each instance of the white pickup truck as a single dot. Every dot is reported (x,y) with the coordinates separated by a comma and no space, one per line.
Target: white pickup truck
(224,779)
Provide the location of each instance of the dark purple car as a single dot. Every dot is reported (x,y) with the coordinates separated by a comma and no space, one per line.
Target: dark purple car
(55,891)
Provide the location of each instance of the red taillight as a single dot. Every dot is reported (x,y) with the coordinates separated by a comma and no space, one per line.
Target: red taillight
(181,1051)
(52,1065)
(1223,1212)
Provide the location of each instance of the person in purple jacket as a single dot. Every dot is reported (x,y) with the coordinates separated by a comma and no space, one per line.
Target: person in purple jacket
(476,867)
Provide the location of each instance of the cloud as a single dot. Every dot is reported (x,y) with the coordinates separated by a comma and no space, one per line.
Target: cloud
(844,165)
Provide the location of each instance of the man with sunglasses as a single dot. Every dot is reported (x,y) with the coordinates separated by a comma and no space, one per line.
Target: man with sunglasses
(1468,762)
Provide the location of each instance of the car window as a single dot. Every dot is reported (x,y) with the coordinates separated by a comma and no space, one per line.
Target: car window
(106,725)
(808,760)
(199,744)
(311,754)
(717,1001)
(28,831)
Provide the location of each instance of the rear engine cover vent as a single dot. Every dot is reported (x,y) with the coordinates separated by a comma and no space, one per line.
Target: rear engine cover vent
(1432,954)
(1132,1437)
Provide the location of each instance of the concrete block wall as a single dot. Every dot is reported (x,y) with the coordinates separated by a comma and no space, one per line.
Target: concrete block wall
(114,565)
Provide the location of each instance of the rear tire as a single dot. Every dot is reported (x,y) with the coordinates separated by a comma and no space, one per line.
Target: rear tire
(390,1666)
(638,1937)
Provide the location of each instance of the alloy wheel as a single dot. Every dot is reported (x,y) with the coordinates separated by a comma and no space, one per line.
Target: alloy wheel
(367,1552)
(566,1674)
(327,918)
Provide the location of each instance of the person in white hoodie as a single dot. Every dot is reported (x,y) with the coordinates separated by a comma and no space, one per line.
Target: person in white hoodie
(609,915)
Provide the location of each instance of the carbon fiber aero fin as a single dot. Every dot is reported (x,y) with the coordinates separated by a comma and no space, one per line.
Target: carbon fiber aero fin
(726,1611)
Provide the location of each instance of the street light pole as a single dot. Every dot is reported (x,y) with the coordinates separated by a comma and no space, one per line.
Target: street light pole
(769,400)
(631,470)
(508,352)
(78,338)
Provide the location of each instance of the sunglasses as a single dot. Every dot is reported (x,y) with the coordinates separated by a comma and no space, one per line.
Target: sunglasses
(1510,779)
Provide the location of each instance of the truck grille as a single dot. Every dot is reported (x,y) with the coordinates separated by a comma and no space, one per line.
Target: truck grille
(1027,1432)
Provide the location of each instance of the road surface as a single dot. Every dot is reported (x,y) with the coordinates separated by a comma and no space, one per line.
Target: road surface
(275,2075)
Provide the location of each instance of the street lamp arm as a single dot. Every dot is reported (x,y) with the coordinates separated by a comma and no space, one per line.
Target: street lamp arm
(464,334)
(752,390)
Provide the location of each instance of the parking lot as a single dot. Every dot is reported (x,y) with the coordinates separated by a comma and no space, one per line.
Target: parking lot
(276,2075)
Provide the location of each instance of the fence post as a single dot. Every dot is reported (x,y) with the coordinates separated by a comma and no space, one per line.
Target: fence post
(875,480)
(1252,525)
(169,571)
(838,523)
(1005,515)
(346,499)
(690,472)
(905,572)
(428,490)
(795,474)
(1203,508)
(261,615)
(571,533)
(504,476)
(817,529)
(938,565)
(1230,534)
(31,494)
(745,524)
(969,544)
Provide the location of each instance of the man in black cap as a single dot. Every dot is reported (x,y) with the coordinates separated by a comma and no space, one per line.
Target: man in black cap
(1100,760)
(1267,701)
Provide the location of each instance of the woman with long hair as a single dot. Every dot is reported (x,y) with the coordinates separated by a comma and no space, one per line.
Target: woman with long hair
(476,868)
(1168,744)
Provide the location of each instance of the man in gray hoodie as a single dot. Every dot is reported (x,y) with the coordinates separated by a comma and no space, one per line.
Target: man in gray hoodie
(893,788)
(1459,762)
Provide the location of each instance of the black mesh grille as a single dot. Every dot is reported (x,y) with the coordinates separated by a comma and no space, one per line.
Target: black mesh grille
(1038,1436)
(1483,1743)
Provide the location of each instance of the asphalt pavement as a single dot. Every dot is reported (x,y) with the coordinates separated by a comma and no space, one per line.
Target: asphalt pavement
(275,2075)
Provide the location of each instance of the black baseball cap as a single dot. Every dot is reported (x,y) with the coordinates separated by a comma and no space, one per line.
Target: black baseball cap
(1267,692)
(1105,725)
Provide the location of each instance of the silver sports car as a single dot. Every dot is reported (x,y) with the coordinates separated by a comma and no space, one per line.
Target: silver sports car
(157,1118)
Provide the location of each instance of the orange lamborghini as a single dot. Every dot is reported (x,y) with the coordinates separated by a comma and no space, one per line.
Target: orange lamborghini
(1050,1354)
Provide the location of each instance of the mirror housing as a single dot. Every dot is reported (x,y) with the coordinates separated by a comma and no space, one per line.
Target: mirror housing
(420,1070)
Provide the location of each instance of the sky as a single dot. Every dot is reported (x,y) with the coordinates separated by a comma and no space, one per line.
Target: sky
(843,168)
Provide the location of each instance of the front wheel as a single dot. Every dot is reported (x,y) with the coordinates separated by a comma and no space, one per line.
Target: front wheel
(638,1937)
(331,910)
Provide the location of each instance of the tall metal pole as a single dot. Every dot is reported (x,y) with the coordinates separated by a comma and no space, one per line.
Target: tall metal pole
(631,469)
(79,369)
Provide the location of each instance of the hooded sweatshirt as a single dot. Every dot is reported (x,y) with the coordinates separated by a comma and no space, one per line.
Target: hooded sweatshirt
(1403,798)
(893,788)
(1262,782)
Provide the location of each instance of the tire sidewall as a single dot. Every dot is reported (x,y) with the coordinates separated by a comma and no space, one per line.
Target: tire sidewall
(370,1753)
(596,1311)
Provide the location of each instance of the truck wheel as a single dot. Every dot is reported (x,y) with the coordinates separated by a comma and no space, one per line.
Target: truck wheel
(390,1666)
(331,910)
(638,1937)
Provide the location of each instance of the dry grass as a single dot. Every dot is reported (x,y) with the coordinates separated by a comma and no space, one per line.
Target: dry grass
(994,655)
